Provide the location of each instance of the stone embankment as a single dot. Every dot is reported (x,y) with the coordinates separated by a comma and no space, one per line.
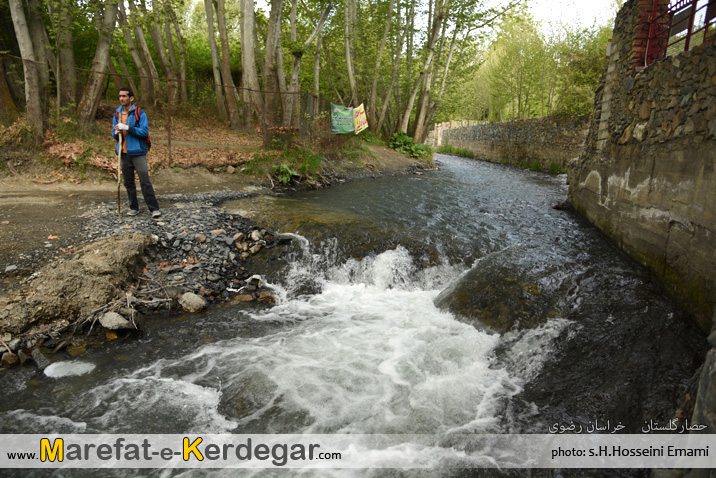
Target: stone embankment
(549,141)
(646,177)
(193,254)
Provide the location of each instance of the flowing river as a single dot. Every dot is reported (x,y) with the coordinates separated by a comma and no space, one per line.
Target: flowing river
(456,301)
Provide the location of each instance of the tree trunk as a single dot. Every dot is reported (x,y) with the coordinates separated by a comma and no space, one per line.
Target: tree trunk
(147,57)
(410,28)
(91,95)
(252,89)
(128,80)
(116,78)
(172,57)
(437,23)
(317,68)
(14,82)
(273,42)
(38,36)
(374,89)
(8,110)
(22,33)
(395,77)
(230,89)
(182,57)
(220,102)
(155,32)
(350,19)
(66,53)
(292,96)
(147,87)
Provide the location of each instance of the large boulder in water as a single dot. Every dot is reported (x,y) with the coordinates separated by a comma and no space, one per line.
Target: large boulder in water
(504,290)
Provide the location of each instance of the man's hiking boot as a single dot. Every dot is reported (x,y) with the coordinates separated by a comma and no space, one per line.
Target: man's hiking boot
(133,212)
(156,213)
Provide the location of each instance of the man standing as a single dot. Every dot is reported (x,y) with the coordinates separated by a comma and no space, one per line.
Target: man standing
(132,123)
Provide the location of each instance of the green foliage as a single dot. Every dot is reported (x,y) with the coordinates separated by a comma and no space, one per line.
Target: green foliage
(583,62)
(291,162)
(403,143)
(524,72)
(284,173)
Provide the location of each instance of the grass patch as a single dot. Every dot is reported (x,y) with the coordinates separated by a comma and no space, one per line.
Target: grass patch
(465,153)
(372,138)
(555,168)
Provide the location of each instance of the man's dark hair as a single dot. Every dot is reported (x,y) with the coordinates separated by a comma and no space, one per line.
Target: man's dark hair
(128,90)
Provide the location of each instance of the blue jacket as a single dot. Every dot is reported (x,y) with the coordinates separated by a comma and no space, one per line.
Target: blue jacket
(136,134)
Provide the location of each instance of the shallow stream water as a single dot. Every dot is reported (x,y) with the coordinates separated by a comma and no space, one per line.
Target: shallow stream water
(457,300)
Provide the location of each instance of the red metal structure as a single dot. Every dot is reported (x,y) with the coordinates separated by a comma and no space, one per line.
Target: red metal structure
(679,27)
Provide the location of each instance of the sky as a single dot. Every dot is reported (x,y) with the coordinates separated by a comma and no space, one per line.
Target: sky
(581,12)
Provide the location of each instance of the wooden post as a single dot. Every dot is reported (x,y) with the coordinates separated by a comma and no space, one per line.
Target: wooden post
(119,172)
(169,121)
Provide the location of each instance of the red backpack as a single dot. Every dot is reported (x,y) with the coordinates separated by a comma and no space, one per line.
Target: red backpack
(136,117)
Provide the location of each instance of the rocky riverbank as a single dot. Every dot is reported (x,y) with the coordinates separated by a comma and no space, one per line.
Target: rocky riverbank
(98,283)
(192,255)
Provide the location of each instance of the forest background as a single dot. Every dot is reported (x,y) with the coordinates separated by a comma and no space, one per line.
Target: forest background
(411,63)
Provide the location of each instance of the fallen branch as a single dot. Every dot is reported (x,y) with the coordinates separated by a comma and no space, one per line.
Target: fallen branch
(46,182)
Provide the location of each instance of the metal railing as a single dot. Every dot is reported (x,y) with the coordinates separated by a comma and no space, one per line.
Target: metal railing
(682,26)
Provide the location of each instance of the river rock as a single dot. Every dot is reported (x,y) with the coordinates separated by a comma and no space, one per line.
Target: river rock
(705,408)
(255,249)
(9,359)
(192,302)
(11,268)
(14,344)
(267,297)
(255,235)
(40,359)
(200,238)
(219,232)
(114,321)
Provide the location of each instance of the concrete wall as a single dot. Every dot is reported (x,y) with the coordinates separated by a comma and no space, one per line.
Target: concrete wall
(544,140)
(646,176)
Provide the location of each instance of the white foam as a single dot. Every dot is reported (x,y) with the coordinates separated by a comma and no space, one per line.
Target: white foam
(369,353)
(68,369)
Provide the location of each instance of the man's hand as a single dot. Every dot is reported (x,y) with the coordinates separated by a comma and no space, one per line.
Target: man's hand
(121,127)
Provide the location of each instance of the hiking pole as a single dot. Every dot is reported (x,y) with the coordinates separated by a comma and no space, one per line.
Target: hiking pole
(119,172)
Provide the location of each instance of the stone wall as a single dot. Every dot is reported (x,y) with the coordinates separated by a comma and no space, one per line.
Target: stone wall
(545,140)
(646,176)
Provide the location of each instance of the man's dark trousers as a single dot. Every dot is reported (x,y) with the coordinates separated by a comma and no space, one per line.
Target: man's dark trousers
(139,164)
